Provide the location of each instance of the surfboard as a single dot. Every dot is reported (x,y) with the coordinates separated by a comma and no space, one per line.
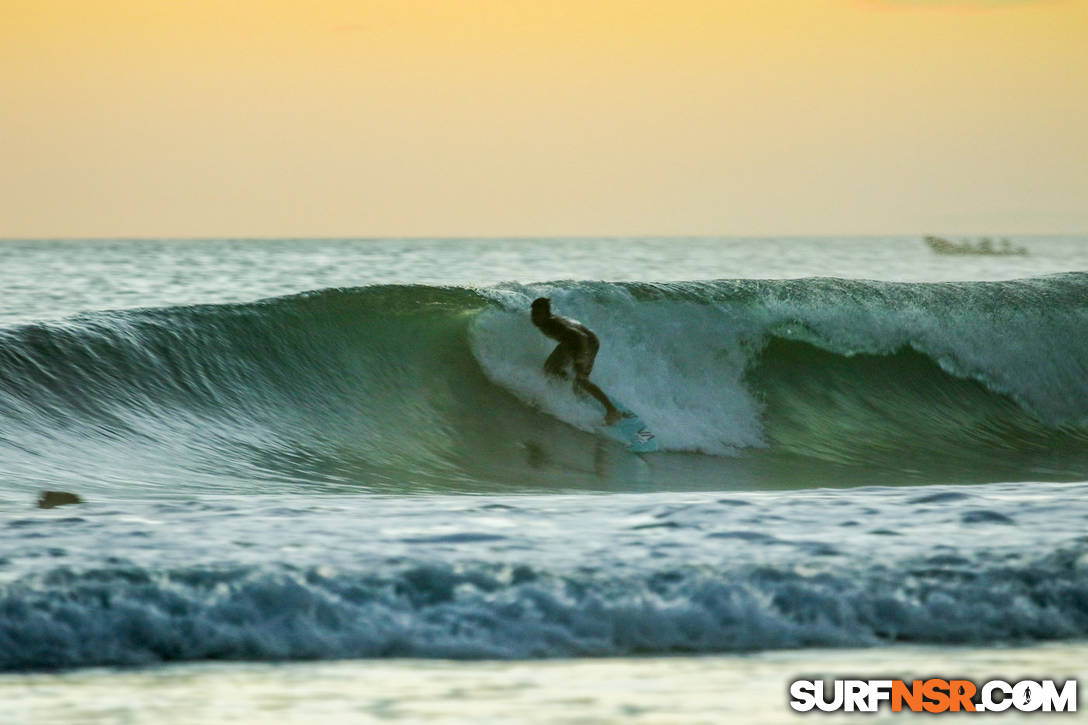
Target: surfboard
(631,431)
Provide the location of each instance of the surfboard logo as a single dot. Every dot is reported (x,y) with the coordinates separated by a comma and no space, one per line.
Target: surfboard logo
(644,435)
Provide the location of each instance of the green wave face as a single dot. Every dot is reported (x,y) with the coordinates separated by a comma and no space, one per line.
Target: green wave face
(746,384)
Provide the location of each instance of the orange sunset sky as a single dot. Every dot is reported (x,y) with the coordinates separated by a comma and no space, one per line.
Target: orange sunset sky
(543,117)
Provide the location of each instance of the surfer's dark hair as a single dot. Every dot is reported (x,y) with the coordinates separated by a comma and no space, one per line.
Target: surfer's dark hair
(542,303)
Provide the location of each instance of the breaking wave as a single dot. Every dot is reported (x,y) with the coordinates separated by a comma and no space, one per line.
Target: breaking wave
(400,387)
(136,616)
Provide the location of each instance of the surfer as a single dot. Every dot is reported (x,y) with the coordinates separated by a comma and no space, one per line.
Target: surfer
(577,348)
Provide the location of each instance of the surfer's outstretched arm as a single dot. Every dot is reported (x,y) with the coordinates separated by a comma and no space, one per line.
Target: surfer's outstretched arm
(612,413)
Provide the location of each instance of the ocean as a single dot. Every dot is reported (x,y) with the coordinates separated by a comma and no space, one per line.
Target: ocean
(327,478)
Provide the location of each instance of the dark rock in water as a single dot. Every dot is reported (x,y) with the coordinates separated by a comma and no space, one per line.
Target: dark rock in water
(51,499)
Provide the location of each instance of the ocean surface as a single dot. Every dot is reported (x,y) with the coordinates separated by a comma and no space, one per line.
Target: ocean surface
(328,478)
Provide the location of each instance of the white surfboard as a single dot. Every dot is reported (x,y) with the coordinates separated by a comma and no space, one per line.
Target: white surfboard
(631,431)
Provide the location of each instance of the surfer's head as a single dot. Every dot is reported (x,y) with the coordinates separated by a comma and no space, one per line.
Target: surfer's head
(541,309)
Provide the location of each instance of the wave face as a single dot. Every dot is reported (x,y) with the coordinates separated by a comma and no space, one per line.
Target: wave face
(416,386)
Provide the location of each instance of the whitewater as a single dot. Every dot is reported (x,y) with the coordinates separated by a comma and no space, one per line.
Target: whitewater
(326,451)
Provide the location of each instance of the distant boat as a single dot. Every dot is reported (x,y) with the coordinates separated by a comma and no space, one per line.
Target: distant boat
(985,245)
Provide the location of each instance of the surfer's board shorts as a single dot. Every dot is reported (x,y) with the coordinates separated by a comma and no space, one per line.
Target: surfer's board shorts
(585,356)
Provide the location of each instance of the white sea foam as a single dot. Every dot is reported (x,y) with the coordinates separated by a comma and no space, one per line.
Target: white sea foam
(545,576)
(679,354)
(677,364)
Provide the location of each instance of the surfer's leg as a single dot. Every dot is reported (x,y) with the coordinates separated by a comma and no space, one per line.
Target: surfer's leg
(587,355)
(557,362)
(612,414)
(583,366)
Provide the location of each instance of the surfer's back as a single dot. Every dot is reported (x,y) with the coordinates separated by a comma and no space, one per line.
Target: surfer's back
(565,331)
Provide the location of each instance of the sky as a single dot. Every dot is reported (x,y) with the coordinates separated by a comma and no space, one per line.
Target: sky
(453,118)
